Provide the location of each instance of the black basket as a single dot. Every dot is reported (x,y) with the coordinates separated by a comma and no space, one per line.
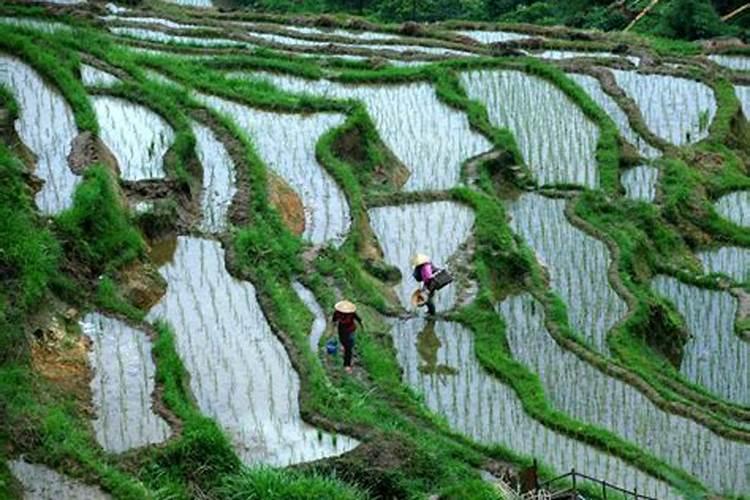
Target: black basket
(441,279)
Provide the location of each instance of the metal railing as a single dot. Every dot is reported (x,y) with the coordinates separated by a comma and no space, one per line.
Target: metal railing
(576,479)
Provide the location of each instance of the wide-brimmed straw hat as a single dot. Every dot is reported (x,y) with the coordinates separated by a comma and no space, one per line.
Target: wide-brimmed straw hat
(417,298)
(345,307)
(419,259)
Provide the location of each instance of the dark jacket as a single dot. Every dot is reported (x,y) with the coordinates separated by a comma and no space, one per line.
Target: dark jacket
(346,321)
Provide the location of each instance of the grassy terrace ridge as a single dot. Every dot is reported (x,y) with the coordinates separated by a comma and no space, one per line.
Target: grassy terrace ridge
(99,236)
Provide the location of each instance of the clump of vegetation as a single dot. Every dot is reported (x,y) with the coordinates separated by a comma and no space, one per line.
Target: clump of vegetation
(97,230)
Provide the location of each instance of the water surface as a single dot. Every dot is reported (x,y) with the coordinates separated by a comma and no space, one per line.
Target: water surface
(640,183)
(42,483)
(735,207)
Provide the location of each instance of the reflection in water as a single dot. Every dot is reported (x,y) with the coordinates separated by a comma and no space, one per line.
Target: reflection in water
(557,141)
(430,138)
(715,357)
(577,388)
(240,373)
(676,109)
(42,483)
(577,265)
(46,126)
(122,385)
(137,137)
(436,229)
(489,412)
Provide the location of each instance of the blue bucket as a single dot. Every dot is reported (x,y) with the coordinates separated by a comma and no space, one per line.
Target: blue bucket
(332,347)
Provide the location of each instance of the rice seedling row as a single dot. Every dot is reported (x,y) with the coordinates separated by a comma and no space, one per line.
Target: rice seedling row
(640,183)
(218,179)
(92,77)
(735,207)
(122,385)
(586,394)
(732,261)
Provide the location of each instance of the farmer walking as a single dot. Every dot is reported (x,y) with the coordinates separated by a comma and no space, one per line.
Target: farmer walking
(345,315)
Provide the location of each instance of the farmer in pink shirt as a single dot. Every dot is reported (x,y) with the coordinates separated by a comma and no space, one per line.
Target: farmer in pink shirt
(423,272)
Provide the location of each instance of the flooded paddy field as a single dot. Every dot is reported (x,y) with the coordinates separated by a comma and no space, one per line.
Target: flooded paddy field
(47,127)
(640,183)
(735,207)
(137,136)
(408,128)
(583,392)
(525,104)
(715,356)
(240,374)
(122,385)
(739,63)
(286,143)
(577,265)
(675,109)
(402,233)
(42,483)
(594,89)
(237,239)
(446,372)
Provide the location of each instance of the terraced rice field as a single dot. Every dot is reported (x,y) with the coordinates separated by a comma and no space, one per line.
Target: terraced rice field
(240,373)
(715,357)
(735,207)
(138,137)
(640,183)
(42,483)
(47,127)
(481,407)
(577,265)
(580,390)
(675,109)
(410,135)
(565,154)
(122,385)
(170,280)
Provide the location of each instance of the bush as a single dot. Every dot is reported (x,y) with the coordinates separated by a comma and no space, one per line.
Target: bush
(692,20)
(96,230)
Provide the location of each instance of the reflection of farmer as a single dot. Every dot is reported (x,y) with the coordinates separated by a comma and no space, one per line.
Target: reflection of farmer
(428,345)
(423,272)
(346,316)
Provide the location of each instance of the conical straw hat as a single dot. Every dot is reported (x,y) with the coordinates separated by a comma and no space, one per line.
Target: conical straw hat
(417,298)
(419,259)
(345,307)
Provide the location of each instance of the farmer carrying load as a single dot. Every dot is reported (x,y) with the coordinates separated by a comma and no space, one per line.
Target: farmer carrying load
(345,315)
(432,278)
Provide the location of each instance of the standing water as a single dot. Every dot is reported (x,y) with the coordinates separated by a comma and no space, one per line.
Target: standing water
(286,143)
(91,76)
(439,362)
(577,265)
(715,357)
(430,138)
(319,316)
(218,179)
(676,109)
(47,126)
(732,261)
(735,207)
(435,229)
(640,183)
(557,141)
(594,89)
(240,373)
(577,388)
(42,483)
(137,137)
(122,385)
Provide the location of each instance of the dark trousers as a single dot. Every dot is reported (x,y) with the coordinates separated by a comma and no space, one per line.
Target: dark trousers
(347,342)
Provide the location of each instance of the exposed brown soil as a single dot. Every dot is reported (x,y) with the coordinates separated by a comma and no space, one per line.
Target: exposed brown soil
(287,202)
(88,149)
(141,285)
(60,355)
